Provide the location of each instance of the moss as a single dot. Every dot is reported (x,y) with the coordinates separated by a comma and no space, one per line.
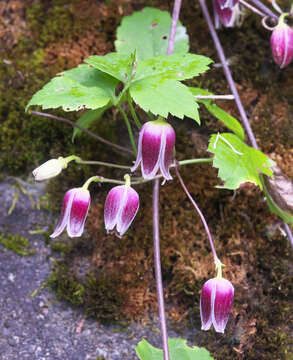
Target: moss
(61,247)
(17,243)
(65,284)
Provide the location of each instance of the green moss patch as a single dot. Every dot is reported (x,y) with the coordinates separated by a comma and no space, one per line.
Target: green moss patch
(17,243)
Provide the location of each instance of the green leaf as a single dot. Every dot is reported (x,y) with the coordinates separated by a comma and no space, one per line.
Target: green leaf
(88,118)
(147,31)
(76,89)
(155,86)
(238,162)
(117,65)
(89,77)
(161,98)
(175,67)
(178,351)
(228,120)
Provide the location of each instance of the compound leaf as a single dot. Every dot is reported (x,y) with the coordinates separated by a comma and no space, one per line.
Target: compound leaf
(175,66)
(76,89)
(147,31)
(163,97)
(117,65)
(178,348)
(238,162)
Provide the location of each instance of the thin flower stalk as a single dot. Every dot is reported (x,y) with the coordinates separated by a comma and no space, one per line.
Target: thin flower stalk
(71,123)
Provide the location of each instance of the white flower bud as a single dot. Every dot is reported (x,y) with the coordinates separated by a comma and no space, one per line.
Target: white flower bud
(49,169)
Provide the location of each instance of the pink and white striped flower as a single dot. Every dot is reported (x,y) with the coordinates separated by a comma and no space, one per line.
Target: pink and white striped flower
(74,211)
(282,43)
(121,206)
(155,149)
(226,13)
(215,303)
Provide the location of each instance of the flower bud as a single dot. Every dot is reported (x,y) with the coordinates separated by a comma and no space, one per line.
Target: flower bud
(155,149)
(49,169)
(121,206)
(282,44)
(74,211)
(215,303)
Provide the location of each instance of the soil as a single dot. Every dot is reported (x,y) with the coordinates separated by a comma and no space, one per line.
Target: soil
(99,279)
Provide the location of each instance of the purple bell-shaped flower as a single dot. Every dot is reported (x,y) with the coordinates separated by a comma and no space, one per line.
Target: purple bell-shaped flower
(282,43)
(227,3)
(215,303)
(121,206)
(155,149)
(74,211)
(226,13)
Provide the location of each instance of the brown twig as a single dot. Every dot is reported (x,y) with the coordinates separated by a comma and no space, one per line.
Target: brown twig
(71,123)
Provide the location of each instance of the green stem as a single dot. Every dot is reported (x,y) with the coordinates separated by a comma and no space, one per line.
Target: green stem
(135,180)
(219,266)
(195,161)
(127,180)
(133,113)
(130,133)
(68,159)
(102,163)
(117,166)
(101,179)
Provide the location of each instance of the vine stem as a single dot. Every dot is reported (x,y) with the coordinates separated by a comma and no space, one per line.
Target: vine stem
(126,167)
(175,17)
(156,232)
(231,83)
(228,73)
(252,8)
(264,9)
(69,122)
(199,213)
(158,271)
(133,113)
(102,163)
(127,123)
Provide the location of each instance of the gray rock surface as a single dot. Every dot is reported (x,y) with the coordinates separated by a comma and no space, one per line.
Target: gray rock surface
(41,327)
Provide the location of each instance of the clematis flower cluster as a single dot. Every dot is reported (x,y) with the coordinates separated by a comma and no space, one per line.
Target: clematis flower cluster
(155,154)
(226,12)
(156,147)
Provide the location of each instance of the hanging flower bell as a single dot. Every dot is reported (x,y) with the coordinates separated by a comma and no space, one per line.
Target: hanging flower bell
(74,211)
(215,303)
(155,149)
(121,206)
